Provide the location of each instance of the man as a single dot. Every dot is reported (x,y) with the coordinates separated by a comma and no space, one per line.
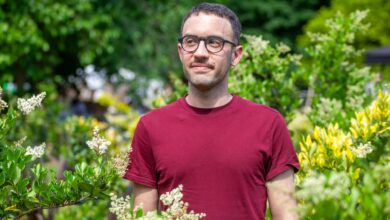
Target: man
(222,148)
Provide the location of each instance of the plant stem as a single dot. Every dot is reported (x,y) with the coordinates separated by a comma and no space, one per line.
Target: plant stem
(83,200)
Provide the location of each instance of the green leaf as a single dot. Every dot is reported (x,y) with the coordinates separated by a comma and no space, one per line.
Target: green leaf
(17,175)
(2,179)
(103,195)
(139,213)
(22,186)
(12,208)
(29,204)
(35,187)
(86,187)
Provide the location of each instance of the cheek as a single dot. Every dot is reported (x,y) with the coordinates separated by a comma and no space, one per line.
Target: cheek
(185,58)
(226,61)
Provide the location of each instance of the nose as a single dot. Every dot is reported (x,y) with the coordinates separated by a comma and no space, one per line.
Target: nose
(202,50)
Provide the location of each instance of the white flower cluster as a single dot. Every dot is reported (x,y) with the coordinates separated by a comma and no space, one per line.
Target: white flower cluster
(362,150)
(28,105)
(328,109)
(173,196)
(120,163)
(19,143)
(3,104)
(358,17)
(318,187)
(153,215)
(98,144)
(283,48)
(120,207)
(317,37)
(258,45)
(178,209)
(36,151)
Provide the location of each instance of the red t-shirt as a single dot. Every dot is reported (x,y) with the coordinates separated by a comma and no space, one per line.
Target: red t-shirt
(222,156)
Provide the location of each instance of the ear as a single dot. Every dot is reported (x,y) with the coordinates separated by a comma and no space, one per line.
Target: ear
(180,52)
(236,55)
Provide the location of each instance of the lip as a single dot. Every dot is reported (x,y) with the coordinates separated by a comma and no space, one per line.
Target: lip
(201,66)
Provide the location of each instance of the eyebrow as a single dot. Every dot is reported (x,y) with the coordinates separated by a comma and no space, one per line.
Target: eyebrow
(193,35)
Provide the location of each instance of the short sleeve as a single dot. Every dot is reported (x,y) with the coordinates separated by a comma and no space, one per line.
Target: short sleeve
(283,155)
(141,168)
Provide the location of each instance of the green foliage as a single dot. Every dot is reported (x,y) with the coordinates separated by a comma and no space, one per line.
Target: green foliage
(67,136)
(146,27)
(48,40)
(347,170)
(277,21)
(44,39)
(267,75)
(345,159)
(336,82)
(95,209)
(350,186)
(337,192)
(379,31)
(27,185)
(159,22)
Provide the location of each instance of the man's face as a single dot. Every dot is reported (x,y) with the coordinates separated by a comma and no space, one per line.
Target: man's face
(205,70)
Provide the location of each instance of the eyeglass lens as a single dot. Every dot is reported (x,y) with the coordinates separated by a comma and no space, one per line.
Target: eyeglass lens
(213,44)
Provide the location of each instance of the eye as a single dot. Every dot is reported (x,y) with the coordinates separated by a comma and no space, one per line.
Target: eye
(190,41)
(214,42)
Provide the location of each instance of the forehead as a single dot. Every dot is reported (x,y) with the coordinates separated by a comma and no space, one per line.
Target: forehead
(207,24)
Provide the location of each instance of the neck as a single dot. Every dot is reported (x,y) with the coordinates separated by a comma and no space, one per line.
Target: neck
(212,98)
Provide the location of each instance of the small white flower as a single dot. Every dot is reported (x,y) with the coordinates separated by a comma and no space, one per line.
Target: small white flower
(98,144)
(120,163)
(362,150)
(19,143)
(152,215)
(257,43)
(3,104)
(178,209)
(283,48)
(37,151)
(173,196)
(28,105)
(120,207)
(359,16)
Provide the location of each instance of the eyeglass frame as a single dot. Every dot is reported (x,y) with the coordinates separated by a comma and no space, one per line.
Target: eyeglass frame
(204,39)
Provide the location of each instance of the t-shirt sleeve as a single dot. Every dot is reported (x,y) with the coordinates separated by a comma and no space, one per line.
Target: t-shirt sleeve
(141,168)
(283,156)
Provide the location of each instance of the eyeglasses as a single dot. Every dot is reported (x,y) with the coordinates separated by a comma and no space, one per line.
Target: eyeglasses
(214,44)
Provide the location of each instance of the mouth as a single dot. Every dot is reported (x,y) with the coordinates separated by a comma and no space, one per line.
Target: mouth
(201,66)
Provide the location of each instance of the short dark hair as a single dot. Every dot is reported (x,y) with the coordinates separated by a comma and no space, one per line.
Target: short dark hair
(220,11)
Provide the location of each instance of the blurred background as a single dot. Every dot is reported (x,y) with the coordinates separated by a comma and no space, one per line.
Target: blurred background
(106,62)
(128,48)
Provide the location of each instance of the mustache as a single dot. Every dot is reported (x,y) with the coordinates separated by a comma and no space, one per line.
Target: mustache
(205,64)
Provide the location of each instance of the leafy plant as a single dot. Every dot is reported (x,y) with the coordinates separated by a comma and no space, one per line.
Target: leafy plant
(27,186)
(347,171)
(267,75)
(336,82)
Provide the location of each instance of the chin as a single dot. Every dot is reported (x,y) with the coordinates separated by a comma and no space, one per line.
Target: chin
(203,84)
(201,80)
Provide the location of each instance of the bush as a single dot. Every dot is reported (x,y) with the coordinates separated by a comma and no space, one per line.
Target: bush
(28,186)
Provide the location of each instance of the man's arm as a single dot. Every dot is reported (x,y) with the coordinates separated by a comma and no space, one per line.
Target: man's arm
(147,196)
(281,201)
